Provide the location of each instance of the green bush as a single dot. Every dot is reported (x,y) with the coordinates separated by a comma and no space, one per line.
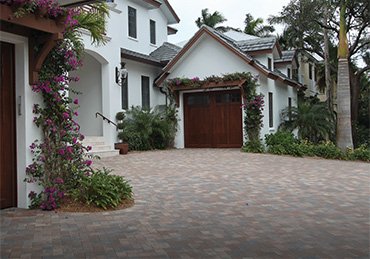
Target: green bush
(102,189)
(283,143)
(361,153)
(327,150)
(253,147)
(146,130)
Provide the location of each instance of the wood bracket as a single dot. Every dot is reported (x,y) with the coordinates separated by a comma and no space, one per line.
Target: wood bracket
(36,60)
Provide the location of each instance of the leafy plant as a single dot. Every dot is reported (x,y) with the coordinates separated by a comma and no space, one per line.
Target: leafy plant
(102,189)
(283,143)
(145,130)
(253,147)
(314,121)
(361,153)
(327,150)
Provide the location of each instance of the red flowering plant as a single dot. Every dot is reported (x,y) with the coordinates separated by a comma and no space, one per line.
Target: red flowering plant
(59,157)
(44,8)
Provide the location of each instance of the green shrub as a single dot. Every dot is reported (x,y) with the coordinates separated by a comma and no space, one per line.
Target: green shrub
(283,143)
(102,189)
(146,130)
(362,153)
(327,150)
(253,147)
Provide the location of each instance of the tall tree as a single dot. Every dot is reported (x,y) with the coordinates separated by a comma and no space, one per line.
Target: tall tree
(344,129)
(212,20)
(256,26)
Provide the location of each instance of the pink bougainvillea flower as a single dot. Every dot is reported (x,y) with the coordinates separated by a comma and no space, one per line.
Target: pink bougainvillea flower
(61,152)
(88,162)
(65,115)
(75,101)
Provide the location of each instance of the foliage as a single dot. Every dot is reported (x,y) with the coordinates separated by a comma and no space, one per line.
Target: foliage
(45,8)
(313,120)
(145,130)
(256,27)
(102,189)
(253,147)
(360,153)
(211,20)
(282,143)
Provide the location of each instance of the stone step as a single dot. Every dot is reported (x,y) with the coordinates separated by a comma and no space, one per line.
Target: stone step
(105,153)
(93,140)
(97,148)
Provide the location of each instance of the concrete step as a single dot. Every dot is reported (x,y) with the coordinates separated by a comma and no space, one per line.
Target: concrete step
(99,148)
(105,153)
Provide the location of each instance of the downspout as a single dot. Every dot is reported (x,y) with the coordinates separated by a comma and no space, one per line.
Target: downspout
(161,89)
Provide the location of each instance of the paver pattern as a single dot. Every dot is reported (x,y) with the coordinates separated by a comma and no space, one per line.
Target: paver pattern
(210,203)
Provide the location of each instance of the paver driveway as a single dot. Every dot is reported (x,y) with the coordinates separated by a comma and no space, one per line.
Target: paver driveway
(203,203)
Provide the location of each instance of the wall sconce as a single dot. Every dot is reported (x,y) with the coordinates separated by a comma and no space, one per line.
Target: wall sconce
(121,74)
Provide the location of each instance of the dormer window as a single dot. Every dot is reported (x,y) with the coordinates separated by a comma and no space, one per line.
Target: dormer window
(269,63)
(152,32)
(132,22)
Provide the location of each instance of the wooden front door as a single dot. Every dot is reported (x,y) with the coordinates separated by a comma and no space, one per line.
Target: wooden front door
(213,119)
(8,172)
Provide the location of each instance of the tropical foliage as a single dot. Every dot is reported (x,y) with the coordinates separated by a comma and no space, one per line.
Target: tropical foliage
(313,120)
(144,129)
(212,20)
(256,27)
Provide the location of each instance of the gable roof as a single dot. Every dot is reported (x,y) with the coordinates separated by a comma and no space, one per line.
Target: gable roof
(169,12)
(166,52)
(257,44)
(139,57)
(229,44)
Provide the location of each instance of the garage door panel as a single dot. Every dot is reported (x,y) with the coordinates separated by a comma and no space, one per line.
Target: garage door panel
(213,119)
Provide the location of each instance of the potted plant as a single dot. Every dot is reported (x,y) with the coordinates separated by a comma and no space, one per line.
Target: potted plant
(122,145)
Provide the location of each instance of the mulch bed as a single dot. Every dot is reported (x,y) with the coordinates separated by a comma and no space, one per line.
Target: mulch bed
(70,205)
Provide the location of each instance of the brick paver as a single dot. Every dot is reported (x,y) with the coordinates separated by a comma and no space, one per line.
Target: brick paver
(210,203)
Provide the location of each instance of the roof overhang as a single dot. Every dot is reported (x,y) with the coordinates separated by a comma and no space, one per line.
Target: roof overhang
(171,30)
(149,4)
(138,57)
(169,13)
(73,3)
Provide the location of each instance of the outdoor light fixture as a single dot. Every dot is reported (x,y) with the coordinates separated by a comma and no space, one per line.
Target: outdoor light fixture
(121,74)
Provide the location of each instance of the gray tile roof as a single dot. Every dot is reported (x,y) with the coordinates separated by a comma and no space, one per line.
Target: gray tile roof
(286,55)
(256,44)
(133,55)
(166,52)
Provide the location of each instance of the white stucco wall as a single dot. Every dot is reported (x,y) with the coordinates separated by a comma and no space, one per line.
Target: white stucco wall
(27,131)
(90,99)
(135,71)
(208,58)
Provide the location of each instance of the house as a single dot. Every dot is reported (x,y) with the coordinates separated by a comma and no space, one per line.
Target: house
(213,117)
(137,33)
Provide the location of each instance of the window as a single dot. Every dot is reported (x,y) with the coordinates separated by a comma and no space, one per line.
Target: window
(152,32)
(289,73)
(271,111)
(310,71)
(145,95)
(198,100)
(315,74)
(124,94)
(269,63)
(132,22)
(290,108)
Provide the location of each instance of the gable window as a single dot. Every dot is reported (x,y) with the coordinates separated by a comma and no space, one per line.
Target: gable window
(269,63)
(124,94)
(132,22)
(310,71)
(289,73)
(145,95)
(152,32)
(271,111)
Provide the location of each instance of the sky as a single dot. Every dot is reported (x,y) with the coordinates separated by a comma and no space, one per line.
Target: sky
(233,10)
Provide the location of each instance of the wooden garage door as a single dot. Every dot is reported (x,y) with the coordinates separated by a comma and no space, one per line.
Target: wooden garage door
(213,119)
(8,184)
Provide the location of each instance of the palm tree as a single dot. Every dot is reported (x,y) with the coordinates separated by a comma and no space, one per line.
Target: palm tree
(255,27)
(211,20)
(314,121)
(344,127)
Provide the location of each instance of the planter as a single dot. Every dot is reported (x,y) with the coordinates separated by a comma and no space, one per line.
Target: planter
(123,148)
